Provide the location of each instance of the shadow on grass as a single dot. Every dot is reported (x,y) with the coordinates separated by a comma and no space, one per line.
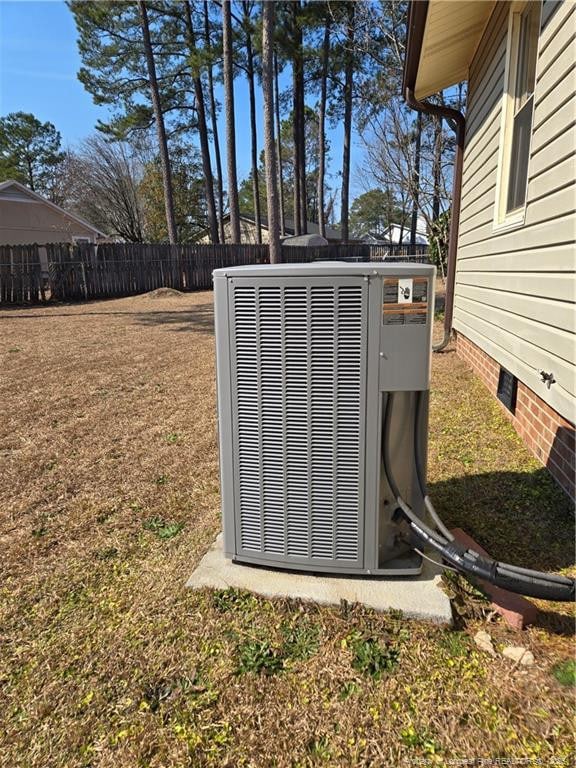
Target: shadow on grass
(521,518)
(556,623)
(197,318)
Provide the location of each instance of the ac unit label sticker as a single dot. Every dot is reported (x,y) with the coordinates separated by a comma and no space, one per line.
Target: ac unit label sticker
(405,288)
(405,301)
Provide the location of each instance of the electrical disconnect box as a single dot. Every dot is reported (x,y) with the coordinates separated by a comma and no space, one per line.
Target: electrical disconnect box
(307,356)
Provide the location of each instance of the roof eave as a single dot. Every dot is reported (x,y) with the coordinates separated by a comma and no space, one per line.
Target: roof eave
(417,14)
(431,66)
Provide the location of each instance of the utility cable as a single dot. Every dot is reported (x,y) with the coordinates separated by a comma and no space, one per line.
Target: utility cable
(512,578)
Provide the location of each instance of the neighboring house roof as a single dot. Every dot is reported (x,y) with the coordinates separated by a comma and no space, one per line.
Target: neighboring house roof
(373,237)
(332,233)
(390,235)
(443,37)
(396,233)
(22,193)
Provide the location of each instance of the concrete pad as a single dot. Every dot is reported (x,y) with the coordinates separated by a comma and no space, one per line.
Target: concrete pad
(419,597)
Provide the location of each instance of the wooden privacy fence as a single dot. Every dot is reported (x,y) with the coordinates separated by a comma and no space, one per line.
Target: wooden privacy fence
(66,272)
(21,280)
(111,270)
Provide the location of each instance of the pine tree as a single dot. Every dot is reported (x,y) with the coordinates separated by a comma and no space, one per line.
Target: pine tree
(230,123)
(29,151)
(120,68)
(159,120)
(247,27)
(322,127)
(208,48)
(202,126)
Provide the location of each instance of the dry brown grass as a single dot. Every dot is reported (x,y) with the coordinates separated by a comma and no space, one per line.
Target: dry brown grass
(107,447)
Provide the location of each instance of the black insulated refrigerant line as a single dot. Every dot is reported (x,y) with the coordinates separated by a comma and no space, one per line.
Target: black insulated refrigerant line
(510,577)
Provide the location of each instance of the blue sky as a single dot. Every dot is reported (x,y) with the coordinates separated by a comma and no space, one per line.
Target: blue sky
(38,65)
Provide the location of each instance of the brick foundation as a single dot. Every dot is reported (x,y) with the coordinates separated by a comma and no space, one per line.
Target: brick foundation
(547,435)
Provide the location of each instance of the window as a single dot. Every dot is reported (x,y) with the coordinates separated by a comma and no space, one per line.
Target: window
(518,110)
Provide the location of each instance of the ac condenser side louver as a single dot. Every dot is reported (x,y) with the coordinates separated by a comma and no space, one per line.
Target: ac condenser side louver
(307,355)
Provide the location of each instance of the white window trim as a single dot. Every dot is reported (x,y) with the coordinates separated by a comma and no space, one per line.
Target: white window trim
(505,221)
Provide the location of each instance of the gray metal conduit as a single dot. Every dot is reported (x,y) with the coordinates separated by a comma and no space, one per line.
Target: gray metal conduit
(458,121)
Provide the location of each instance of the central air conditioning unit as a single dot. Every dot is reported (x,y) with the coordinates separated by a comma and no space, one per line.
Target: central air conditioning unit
(320,367)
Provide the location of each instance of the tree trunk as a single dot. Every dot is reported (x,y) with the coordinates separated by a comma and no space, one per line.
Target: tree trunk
(437,168)
(279,147)
(296,136)
(300,119)
(202,128)
(160,127)
(416,181)
(30,174)
(268,13)
(214,120)
(299,221)
(321,129)
(349,72)
(330,208)
(302,137)
(302,131)
(230,126)
(253,134)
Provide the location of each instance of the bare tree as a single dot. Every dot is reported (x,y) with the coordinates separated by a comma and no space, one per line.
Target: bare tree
(391,160)
(159,121)
(100,182)
(437,167)
(230,124)
(268,16)
(416,179)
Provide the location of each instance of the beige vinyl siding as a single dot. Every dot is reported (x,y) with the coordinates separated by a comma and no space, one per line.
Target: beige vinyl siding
(247,233)
(557,150)
(516,289)
(35,222)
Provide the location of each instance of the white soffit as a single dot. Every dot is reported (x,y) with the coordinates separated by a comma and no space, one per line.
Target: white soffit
(452,34)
